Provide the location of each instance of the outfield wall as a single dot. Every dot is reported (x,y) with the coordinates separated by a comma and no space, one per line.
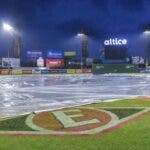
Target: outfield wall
(42,71)
(114,68)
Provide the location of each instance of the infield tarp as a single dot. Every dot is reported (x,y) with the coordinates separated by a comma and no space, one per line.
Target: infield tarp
(25,94)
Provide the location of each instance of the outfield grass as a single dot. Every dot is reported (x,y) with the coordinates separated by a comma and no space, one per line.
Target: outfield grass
(15,124)
(132,136)
(124,103)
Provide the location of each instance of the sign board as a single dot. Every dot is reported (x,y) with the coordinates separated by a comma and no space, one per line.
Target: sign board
(16,71)
(36,71)
(34,54)
(54,71)
(4,71)
(115,41)
(78,71)
(54,62)
(137,60)
(26,71)
(45,71)
(71,71)
(11,62)
(89,61)
(70,53)
(114,68)
(55,54)
(40,62)
(62,71)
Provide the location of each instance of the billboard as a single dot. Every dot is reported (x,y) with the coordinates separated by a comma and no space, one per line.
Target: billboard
(11,62)
(16,71)
(137,60)
(115,41)
(33,55)
(115,52)
(55,54)
(4,71)
(115,48)
(54,62)
(40,62)
(70,53)
(26,71)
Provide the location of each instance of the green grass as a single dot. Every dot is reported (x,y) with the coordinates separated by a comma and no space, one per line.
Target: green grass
(125,112)
(132,136)
(15,124)
(124,103)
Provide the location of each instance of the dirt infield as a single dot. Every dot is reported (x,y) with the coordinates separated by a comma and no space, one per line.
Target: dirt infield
(144,98)
(48,121)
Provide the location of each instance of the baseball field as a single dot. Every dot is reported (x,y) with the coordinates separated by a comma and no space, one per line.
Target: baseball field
(118,125)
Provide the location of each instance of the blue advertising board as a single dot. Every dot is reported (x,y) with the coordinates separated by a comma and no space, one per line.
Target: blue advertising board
(34,54)
(62,71)
(45,71)
(55,54)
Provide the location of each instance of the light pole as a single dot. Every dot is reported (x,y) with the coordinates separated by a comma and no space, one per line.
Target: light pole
(83,38)
(146,34)
(9,29)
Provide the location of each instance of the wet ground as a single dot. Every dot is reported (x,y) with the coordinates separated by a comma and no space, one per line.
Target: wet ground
(23,94)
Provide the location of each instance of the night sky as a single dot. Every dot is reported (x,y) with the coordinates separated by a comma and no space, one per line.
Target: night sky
(53,24)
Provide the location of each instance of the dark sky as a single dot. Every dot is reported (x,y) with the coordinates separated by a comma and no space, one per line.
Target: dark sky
(53,24)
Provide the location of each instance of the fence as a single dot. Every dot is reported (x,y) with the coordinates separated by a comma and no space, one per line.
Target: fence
(42,71)
(114,68)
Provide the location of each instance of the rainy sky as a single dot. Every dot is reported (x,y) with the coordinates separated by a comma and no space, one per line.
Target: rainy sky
(53,24)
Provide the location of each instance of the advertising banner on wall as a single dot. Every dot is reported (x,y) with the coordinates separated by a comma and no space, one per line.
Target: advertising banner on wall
(16,71)
(33,55)
(36,71)
(4,71)
(70,53)
(62,71)
(26,71)
(46,71)
(40,62)
(71,71)
(11,62)
(55,54)
(54,71)
(138,60)
(54,62)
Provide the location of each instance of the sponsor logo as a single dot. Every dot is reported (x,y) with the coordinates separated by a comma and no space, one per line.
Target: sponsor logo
(55,54)
(54,62)
(115,41)
(79,121)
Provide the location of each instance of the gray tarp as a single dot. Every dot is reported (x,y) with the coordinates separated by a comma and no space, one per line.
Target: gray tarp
(23,94)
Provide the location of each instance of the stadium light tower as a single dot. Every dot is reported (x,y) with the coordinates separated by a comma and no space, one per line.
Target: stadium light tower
(84,46)
(16,39)
(146,34)
(9,29)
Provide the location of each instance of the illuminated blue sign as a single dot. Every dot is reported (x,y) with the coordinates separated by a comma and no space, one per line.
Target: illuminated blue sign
(34,54)
(55,54)
(115,41)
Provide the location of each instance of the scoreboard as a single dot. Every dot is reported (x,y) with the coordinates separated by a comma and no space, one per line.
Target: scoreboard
(115,52)
(115,48)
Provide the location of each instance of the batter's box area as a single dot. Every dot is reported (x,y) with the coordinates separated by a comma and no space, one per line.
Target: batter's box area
(78,121)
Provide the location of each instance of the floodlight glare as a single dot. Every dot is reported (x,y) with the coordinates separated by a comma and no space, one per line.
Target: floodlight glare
(147,32)
(7,27)
(80,34)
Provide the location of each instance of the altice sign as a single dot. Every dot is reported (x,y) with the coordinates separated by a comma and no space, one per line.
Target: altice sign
(115,41)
